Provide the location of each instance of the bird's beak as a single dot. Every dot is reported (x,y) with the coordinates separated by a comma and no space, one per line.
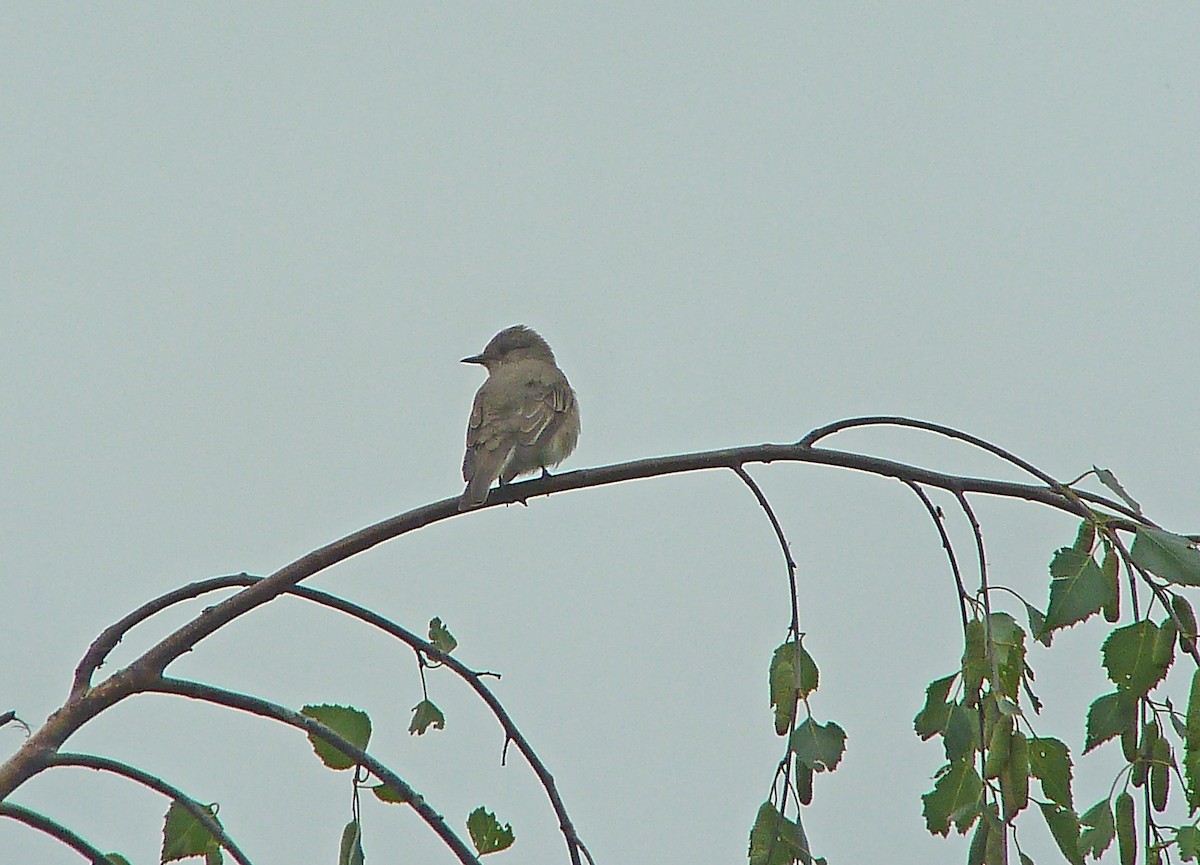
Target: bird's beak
(475,358)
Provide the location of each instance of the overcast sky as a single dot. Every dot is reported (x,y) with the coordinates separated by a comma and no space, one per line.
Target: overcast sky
(245,245)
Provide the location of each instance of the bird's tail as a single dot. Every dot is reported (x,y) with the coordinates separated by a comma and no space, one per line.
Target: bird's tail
(476,492)
(482,466)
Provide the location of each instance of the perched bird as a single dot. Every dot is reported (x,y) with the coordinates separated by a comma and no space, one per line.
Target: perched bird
(525,416)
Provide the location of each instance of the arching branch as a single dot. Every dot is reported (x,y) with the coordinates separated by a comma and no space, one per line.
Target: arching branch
(274,711)
(54,829)
(202,814)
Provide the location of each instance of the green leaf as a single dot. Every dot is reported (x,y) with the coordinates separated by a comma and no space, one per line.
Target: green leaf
(1100,832)
(954,799)
(988,844)
(1188,839)
(1050,763)
(1008,642)
(1037,625)
(819,747)
(1025,860)
(425,713)
(384,793)
(116,859)
(776,840)
(1078,589)
(441,637)
(184,835)
(351,724)
(1107,717)
(961,738)
(1137,656)
(1192,739)
(793,675)
(1064,826)
(936,712)
(487,834)
(1170,556)
(1110,480)
(351,852)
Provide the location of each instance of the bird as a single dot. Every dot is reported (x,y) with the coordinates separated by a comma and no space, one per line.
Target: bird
(525,416)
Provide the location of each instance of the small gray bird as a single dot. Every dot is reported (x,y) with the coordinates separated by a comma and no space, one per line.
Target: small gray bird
(525,416)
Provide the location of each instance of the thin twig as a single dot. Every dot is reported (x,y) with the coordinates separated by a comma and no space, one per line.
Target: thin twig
(935,514)
(473,678)
(783,543)
(201,813)
(55,830)
(313,727)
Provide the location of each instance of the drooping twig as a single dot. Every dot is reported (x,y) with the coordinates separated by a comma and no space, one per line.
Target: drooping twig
(473,678)
(202,814)
(274,711)
(55,830)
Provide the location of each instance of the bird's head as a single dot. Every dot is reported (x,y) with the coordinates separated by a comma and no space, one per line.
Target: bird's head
(512,344)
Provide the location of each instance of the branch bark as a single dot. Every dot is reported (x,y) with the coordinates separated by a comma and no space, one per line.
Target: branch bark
(145,673)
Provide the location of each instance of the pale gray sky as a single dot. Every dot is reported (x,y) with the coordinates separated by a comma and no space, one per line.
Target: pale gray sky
(244,247)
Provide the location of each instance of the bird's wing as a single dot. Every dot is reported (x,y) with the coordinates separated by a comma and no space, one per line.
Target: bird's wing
(531,405)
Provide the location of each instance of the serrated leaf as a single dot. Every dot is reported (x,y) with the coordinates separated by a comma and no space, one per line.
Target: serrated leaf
(441,637)
(1078,589)
(961,737)
(1107,717)
(1110,480)
(184,835)
(954,799)
(936,712)
(392,796)
(1170,556)
(350,851)
(817,746)
(425,714)
(1064,826)
(487,834)
(1188,840)
(1192,738)
(1008,643)
(1050,763)
(351,724)
(1095,839)
(1037,625)
(977,852)
(1134,658)
(776,840)
(1191,753)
